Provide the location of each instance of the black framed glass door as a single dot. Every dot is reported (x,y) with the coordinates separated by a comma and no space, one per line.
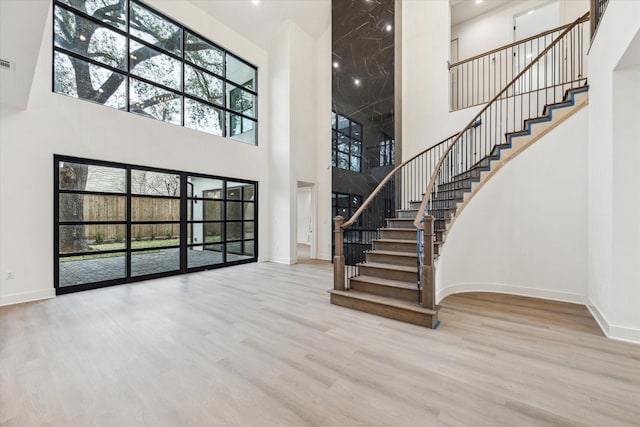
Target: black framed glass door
(117,223)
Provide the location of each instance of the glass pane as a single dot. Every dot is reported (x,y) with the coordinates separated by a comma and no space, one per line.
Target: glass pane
(155,30)
(200,256)
(79,79)
(333,120)
(234,210)
(249,191)
(333,159)
(203,117)
(205,232)
(249,248)
(343,124)
(343,160)
(234,190)
(154,235)
(203,85)
(355,163)
(155,261)
(91,207)
(207,188)
(110,12)
(88,238)
(212,210)
(154,102)
(83,177)
(154,183)
(203,54)
(77,270)
(240,101)
(155,66)
(248,230)
(249,211)
(356,131)
(240,73)
(342,200)
(152,209)
(79,35)
(355,148)
(343,143)
(234,230)
(241,130)
(234,251)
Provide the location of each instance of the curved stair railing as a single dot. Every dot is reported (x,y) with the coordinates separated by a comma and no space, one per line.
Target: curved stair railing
(401,187)
(543,82)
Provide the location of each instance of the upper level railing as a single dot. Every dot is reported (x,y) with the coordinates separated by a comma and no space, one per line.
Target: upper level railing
(477,80)
(406,183)
(597,11)
(543,81)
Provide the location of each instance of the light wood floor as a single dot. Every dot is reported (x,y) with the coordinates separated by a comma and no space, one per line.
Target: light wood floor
(260,345)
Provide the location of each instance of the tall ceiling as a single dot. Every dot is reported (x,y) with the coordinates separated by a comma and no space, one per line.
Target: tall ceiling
(260,22)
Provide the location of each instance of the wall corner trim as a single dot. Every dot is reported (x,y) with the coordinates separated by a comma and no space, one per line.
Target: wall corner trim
(618,333)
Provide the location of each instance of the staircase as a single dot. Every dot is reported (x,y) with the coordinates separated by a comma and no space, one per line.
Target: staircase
(388,281)
(394,276)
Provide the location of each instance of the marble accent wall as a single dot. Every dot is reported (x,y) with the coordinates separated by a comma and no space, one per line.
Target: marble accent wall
(363,83)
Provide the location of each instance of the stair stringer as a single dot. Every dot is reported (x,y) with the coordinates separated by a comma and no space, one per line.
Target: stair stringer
(536,129)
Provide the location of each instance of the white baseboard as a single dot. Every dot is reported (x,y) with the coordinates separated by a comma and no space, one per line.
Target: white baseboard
(511,289)
(27,297)
(619,333)
(282,260)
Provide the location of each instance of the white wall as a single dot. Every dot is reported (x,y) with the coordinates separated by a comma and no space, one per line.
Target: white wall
(323,226)
(54,123)
(613,284)
(298,135)
(495,28)
(525,231)
(425,87)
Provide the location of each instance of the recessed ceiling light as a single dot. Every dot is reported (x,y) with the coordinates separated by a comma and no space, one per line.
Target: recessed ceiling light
(356,82)
(478,1)
(336,65)
(531,12)
(388,27)
(255,1)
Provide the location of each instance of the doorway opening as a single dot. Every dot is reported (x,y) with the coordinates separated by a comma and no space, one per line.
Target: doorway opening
(305,242)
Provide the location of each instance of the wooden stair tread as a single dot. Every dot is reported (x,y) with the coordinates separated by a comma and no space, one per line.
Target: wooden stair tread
(382,252)
(394,240)
(390,302)
(408,269)
(385,282)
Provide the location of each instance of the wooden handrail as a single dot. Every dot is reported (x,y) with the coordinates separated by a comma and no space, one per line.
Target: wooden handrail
(584,18)
(427,194)
(361,209)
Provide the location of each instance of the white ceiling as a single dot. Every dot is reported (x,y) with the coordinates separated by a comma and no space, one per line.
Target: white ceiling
(260,23)
(463,10)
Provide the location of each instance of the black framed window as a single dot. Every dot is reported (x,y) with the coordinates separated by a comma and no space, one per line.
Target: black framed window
(386,150)
(128,56)
(346,143)
(117,223)
(344,204)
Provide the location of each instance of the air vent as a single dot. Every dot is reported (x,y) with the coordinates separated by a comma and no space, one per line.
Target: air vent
(5,64)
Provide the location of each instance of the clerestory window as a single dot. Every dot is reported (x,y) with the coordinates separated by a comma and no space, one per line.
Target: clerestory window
(125,55)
